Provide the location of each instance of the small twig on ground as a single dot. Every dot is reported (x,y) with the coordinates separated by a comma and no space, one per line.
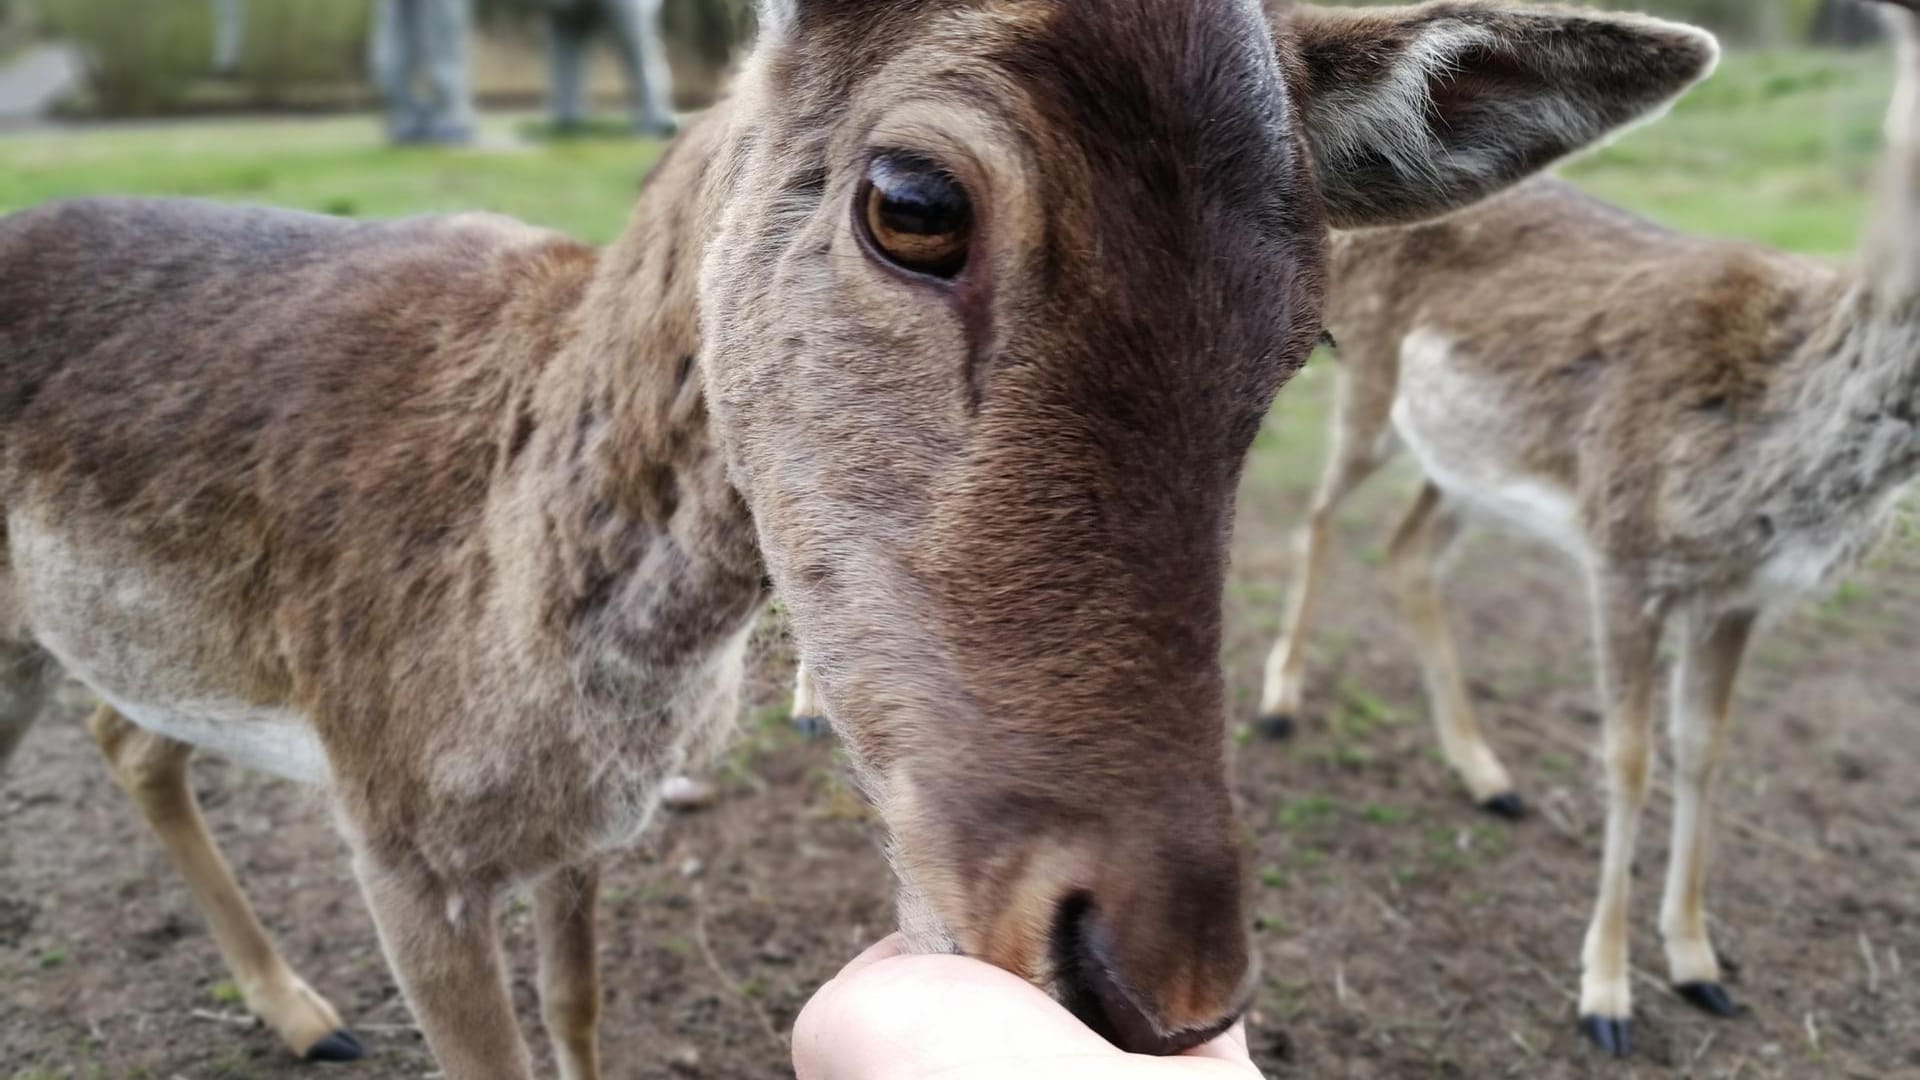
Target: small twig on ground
(1873,965)
(1548,976)
(1660,985)
(1705,1045)
(236,1019)
(731,984)
(388,1029)
(1393,915)
(1813,1036)
(1521,1042)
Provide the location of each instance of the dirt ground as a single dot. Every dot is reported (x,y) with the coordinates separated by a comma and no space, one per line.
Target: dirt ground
(1403,934)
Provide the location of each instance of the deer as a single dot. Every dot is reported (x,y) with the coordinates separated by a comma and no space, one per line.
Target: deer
(1708,430)
(951,327)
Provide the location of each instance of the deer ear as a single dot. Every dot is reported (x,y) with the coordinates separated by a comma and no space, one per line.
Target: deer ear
(1412,112)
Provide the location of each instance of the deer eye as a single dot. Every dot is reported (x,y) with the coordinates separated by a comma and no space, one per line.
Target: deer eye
(917,216)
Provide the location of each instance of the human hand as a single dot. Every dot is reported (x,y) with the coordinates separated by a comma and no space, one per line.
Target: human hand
(892,1015)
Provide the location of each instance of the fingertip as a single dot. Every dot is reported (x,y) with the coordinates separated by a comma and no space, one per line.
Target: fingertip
(1231,1046)
(887,948)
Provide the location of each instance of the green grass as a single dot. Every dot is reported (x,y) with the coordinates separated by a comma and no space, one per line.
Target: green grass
(583,187)
(1776,148)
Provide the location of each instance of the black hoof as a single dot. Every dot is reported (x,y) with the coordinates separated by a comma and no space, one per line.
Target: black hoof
(342,1045)
(1710,997)
(1275,727)
(1506,806)
(1613,1037)
(813,727)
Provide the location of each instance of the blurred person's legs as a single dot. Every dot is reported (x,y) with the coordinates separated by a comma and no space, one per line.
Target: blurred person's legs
(569,34)
(229,35)
(390,58)
(636,32)
(447,26)
(418,53)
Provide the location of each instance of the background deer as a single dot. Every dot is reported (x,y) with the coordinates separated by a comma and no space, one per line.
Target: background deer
(956,322)
(1709,429)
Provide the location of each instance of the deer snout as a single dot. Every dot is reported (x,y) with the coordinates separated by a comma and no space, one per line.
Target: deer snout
(1090,973)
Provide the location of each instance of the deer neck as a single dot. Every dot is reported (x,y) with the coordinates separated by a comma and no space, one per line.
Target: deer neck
(1850,439)
(629,547)
(1847,440)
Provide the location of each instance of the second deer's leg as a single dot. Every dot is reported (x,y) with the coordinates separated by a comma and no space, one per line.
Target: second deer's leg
(569,970)
(1415,554)
(809,715)
(26,676)
(1362,416)
(1627,639)
(1710,653)
(153,771)
(441,940)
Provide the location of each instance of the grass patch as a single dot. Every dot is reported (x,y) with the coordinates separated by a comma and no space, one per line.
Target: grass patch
(585,187)
(1305,811)
(1776,148)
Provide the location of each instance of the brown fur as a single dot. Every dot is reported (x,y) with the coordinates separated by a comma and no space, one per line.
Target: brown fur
(488,513)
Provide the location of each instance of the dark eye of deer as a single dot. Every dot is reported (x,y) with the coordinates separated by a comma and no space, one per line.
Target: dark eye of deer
(918,217)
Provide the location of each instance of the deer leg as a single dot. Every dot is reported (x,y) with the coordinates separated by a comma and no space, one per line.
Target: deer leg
(569,972)
(1363,413)
(1711,651)
(1416,551)
(1628,638)
(152,769)
(809,715)
(26,676)
(441,941)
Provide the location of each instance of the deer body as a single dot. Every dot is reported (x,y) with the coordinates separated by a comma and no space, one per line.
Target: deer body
(1709,430)
(469,523)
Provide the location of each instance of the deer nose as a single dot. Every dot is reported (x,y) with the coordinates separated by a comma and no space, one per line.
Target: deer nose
(1092,987)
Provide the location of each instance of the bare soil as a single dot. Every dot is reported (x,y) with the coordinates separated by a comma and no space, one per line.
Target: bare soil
(1403,934)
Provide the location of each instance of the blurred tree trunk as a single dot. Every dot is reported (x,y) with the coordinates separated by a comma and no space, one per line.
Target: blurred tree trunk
(1845,22)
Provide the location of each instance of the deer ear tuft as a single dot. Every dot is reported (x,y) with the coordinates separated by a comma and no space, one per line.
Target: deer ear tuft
(1413,112)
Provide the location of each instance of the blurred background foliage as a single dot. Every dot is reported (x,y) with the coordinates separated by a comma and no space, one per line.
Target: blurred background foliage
(153,56)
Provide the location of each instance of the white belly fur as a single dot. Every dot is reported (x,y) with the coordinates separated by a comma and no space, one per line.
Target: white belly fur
(1451,426)
(277,741)
(144,666)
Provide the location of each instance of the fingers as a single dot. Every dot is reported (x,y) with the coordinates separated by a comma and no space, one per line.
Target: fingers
(1231,1047)
(885,949)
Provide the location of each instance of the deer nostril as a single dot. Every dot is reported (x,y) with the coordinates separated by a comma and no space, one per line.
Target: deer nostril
(1092,988)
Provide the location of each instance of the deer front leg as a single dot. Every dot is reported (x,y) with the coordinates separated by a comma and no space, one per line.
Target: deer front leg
(441,941)
(1362,417)
(569,971)
(152,769)
(809,714)
(1414,554)
(1627,637)
(1711,650)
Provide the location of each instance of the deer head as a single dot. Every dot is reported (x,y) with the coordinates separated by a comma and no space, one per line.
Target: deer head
(997,297)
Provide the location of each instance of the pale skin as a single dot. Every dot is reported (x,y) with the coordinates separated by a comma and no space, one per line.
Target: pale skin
(894,1015)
